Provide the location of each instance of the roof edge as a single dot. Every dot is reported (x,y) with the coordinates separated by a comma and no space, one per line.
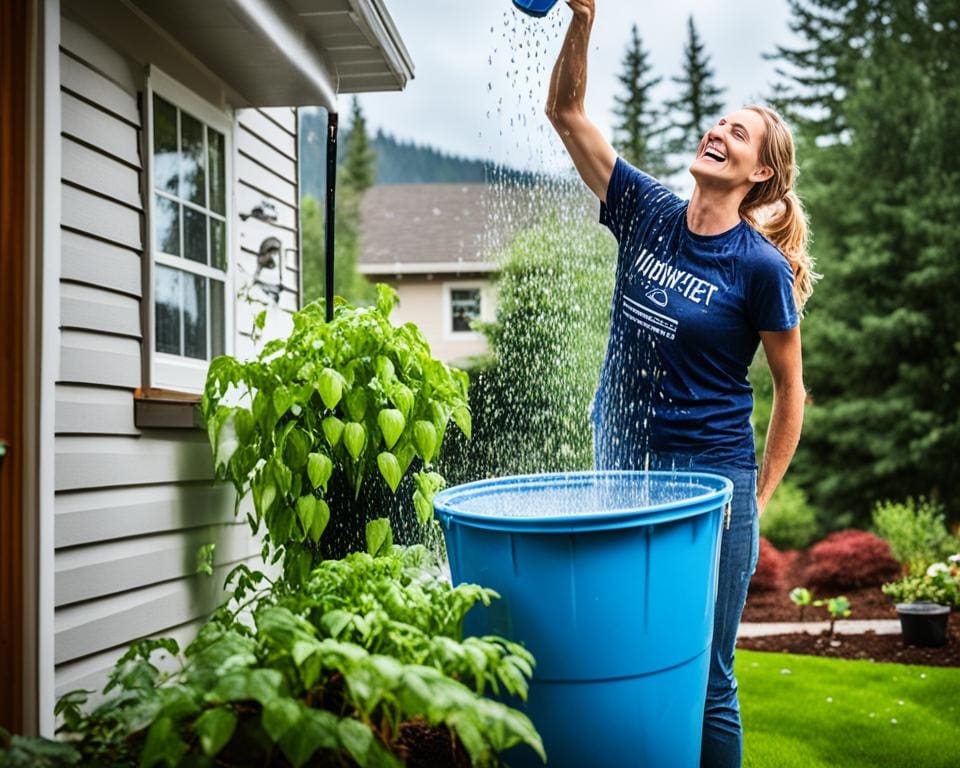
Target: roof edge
(380,24)
(427,267)
(278,25)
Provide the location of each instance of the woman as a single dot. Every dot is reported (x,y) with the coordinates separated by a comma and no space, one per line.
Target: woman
(699,286)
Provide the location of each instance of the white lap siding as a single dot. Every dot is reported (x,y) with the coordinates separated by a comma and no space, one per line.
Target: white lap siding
(133,506)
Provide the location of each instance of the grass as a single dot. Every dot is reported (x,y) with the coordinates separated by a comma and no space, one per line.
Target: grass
(810,712)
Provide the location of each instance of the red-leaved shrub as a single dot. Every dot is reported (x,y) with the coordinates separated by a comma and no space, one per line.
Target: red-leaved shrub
(770,568)
(848,560)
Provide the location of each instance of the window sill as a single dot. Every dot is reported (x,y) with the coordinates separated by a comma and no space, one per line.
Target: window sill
(166,409)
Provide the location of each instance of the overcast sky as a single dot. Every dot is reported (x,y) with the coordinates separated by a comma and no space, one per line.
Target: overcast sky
(463,70)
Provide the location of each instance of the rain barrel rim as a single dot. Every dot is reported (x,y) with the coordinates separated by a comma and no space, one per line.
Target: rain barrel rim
(719,495)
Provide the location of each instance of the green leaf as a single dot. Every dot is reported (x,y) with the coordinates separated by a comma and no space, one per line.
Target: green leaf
(205,558)
(354,438)
(332,430)
(316,730)
(423,507)
(385,370)
(364,746)
(387,298)
(357,404)
(390,469)
(319,469)
(321,516)
(402,396)
(461,416)
(282,400)
(215,728)
(279,716)
(260,320)
(335,621)
(425,438)
(306,510)
(379,536)
(163,745)
(330,387)
(227,440)
(391,423)
(295,449)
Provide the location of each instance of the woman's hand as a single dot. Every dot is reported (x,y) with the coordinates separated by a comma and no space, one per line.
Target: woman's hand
(585,10)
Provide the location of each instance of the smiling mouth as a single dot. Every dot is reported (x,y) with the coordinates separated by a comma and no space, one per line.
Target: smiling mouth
(713,154)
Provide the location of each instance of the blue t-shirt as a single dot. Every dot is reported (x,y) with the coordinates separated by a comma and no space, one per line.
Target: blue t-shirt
(684,326)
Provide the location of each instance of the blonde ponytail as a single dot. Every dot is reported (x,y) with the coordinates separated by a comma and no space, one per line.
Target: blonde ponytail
(773,208)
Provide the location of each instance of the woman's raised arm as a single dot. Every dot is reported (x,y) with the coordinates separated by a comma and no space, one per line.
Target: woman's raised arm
(591,153)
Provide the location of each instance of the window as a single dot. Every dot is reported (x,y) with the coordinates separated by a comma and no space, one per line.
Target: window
(463,306)
(189,145)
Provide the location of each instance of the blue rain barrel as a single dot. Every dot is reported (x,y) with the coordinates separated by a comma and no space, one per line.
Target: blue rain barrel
(610,580)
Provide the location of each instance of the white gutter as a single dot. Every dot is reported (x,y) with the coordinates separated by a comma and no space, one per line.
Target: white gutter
(281,28)
(427,267)
(377,19)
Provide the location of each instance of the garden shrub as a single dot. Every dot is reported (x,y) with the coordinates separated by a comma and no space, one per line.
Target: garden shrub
(530,399)
(771,568)
(789,522)
(326,426)
(331,673)
(916,531)
(850,559)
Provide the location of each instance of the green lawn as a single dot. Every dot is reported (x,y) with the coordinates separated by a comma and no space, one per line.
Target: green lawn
(809,712)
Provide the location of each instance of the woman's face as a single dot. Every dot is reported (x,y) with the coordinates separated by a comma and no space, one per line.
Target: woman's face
(729,153)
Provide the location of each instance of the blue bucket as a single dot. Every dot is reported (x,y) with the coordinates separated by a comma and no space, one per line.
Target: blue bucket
(610,580)
(535,8)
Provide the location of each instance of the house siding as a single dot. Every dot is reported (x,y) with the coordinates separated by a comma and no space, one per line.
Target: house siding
(133,506)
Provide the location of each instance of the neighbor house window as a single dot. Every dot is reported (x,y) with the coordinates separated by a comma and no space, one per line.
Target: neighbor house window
(189,235)
(463,306)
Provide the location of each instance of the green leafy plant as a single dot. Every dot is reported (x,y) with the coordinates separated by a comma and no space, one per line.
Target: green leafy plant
(35,752)
(801,597)
(789,522)
(332,406)
(940,583)
(916,531)
(337,670)
(838,607)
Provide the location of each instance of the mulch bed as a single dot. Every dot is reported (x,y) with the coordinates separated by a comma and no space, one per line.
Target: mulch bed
(775,605)
(888,648)
(866,603)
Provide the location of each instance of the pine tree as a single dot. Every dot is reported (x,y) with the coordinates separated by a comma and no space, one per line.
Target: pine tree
(699,102)
(638,137)
(876,95)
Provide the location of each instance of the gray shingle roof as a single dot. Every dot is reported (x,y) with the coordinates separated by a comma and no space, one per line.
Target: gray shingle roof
(442,224)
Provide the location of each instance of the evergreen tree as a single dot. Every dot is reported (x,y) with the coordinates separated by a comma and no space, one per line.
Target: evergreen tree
(355,175)
(699,102)
(876,92)
(638,136)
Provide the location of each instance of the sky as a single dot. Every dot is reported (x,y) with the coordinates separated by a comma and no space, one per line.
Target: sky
(462,55)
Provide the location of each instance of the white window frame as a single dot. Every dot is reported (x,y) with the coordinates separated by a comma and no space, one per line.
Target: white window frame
(459,285)
(166,371)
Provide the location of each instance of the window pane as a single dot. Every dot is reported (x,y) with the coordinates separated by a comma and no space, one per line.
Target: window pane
(217,319)
(167,225)
(194,235)
(165,160)
(218,244)
(465,306)
(217,165)
(195,316)
(167,301)
(192,184)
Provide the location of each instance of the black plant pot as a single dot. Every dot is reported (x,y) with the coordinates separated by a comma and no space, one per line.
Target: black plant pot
(924,624)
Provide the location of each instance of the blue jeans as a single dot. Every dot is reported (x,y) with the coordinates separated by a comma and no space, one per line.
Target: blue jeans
(722,741)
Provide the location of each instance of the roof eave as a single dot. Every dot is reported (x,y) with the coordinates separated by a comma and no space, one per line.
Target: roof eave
(280,27)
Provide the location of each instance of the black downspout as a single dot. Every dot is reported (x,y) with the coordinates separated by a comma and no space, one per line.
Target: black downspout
(331,207)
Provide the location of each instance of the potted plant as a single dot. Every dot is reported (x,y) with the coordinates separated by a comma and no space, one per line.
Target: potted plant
(924,602)
(325,427)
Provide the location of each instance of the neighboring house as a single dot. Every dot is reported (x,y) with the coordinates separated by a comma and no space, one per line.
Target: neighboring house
(149,178)
(438,245)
